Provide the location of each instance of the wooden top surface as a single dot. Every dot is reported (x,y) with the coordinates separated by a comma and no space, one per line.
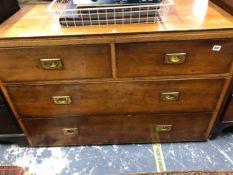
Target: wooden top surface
(185,15)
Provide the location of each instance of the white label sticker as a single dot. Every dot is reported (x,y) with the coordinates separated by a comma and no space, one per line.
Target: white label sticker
(217,48)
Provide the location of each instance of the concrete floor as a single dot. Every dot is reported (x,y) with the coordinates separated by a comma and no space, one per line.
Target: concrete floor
(212,155)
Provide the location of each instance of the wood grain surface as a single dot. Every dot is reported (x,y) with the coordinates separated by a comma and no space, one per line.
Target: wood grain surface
(147,59)
(116,97)
(117,71)
(184,15)
(79,61)
(117,129)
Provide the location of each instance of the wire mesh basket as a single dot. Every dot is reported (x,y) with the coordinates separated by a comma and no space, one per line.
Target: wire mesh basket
(70,14)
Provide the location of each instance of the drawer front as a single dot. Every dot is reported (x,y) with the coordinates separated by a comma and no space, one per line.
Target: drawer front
(228,116)
(174,58)
(116,97)
(117,129)
(55,63)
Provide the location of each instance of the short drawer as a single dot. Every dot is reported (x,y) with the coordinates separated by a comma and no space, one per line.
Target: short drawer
(55,63)
(104,98)
(117,129)
(228,116)
(174,58)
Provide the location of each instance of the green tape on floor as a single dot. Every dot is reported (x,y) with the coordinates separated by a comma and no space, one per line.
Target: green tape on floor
(157,149)
(159,159)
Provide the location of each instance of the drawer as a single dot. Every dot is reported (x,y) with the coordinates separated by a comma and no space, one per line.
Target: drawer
(228,116)
(173,58)
(117,129)
(104,98)
(55,63)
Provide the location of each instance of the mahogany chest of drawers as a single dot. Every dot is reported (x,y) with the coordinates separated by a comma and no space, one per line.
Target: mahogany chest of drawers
(117,84)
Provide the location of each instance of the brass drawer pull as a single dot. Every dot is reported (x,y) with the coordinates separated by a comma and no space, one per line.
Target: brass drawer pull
(61,100)
(163,128)
(70,131)
(51,64)
(175,58)
(169,96)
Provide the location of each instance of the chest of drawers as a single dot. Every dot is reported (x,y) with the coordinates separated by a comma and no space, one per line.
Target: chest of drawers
(117,84)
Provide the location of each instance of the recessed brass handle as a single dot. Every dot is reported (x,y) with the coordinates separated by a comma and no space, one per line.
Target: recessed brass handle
(61,100)
(175,58)
(169,96)
(70,131)
(51,64)
(163,128)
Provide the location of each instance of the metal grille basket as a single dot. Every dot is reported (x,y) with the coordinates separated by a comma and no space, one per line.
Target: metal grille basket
(71,15)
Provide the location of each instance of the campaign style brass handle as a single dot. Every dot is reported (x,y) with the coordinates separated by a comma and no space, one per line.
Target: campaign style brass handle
(163,128)
(175,58)
(51,64)
(169,96)
(61,100)
(70,131)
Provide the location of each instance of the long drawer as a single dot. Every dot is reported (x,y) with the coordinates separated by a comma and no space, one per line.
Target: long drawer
(55,63)
(117,129)
(174,58)
(164,96)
